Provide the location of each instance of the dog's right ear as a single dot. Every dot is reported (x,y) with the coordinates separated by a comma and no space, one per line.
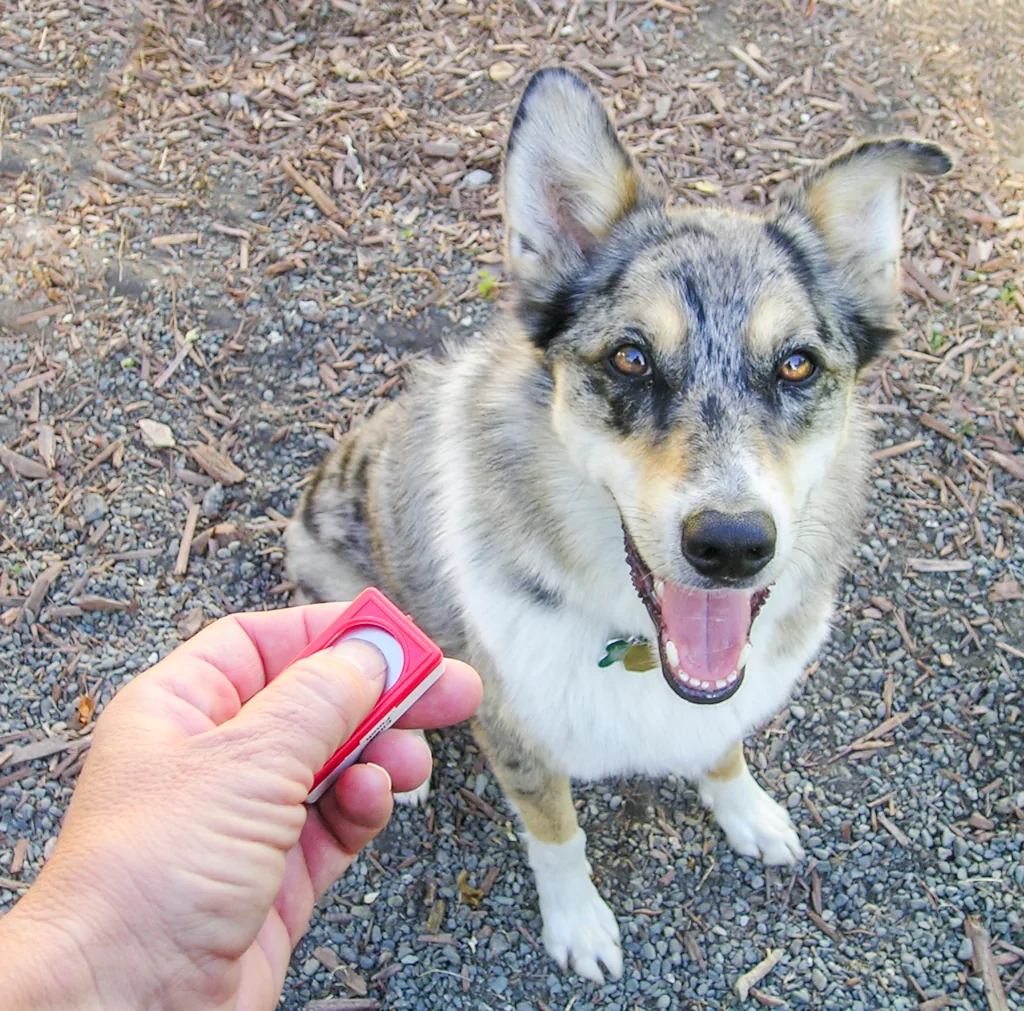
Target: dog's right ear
(568,180)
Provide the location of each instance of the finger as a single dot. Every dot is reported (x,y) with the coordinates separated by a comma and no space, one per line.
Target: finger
(218,670)
(454,697)
(352,813)
(304,715)
(404,756)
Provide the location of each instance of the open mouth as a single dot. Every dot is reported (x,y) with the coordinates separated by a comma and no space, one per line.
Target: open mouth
(703,636)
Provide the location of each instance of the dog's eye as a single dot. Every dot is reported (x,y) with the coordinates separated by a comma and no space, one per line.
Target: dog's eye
(630,361)
(797,368)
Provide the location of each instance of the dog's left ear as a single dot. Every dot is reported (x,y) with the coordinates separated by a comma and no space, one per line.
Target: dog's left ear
(855,200)
(568,181)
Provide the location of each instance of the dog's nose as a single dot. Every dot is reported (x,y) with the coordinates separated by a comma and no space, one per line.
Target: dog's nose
(728,546)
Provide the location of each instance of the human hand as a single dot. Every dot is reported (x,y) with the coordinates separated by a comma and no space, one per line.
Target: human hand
(189,864)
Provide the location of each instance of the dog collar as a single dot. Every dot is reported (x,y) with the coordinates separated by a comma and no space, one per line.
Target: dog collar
(636,654)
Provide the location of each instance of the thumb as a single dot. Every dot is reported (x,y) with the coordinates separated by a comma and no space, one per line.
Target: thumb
(312,707)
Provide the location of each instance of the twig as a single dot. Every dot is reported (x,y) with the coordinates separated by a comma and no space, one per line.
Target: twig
(185,548)
(984,964)
(755,975)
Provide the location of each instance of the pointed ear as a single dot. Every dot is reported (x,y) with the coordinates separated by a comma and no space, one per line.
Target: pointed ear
(855,200)
(568,181)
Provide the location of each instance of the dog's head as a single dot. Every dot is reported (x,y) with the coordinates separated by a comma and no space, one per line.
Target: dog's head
(704,362)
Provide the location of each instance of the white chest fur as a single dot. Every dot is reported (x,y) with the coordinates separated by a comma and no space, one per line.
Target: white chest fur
(599,722)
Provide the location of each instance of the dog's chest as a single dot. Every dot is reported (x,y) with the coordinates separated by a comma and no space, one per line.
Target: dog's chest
(601,721)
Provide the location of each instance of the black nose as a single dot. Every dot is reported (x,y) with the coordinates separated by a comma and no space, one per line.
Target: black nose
(728,546)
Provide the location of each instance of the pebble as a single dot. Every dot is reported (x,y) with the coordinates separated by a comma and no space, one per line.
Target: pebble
(213,501)
(94,507)
(478,177)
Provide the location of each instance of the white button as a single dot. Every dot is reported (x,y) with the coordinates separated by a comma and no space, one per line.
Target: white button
(387,644)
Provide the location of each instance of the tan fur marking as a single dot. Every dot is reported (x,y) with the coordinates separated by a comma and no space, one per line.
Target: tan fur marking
(730,766)
(663,465)
(778,313)
(665,321)
(546,807)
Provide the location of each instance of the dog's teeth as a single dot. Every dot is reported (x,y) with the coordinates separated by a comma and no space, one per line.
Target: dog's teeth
(732,677)
(659,587)
(744,656)
(672,653)
(721,684)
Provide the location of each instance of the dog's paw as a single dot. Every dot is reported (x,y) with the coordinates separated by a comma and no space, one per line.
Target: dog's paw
(754,824)
(579,928)
(415,798)
(580,931)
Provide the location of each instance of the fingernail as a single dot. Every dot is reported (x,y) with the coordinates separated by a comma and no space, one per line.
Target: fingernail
(367,659)
(387,775)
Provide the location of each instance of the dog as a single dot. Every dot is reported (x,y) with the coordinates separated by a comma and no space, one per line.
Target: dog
(629,504)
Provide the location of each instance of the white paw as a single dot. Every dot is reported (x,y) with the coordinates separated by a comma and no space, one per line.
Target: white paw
(579,929)
(419,796)
(754,824)
(415,798)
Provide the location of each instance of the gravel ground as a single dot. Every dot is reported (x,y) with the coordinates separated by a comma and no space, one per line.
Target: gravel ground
(244,224)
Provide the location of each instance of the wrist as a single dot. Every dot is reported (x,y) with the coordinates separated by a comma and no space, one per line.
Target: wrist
(57,952)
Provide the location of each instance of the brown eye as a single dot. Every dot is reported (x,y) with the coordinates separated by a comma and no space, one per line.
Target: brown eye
(797,368)
(630,361)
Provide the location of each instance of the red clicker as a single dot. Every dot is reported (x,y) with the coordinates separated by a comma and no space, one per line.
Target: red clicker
(414,664)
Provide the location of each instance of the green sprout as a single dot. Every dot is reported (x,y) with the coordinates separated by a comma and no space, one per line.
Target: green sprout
(488,286)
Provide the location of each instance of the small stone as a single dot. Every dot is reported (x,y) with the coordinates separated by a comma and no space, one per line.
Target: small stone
(309,309)
(499,984)
(213,501)
(94,507)
(946,660)
(238,100)
(310,967)
(478,177)
(819,979)
(966,950)
(501,71)
(156,434)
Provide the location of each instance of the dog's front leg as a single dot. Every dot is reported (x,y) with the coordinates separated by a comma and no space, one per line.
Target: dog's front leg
(579,928)
(754,824)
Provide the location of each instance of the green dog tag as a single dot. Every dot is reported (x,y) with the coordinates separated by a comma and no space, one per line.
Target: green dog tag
(635,654)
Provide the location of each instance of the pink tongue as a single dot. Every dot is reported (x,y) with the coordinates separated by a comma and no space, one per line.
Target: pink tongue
(709,629)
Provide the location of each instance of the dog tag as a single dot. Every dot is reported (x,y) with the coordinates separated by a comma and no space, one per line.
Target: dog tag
(639,657)
(635,654)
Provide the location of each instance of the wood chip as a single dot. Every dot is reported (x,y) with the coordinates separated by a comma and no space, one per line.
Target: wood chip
(940,564)
(111,173)
(440,149)
(894,830)
(313,190)
(40,588)
(217,465)
(935,1004)
(185,547)
(754,976)
(937,425)
(898,450)
(156,434)
(43,749)
(20,855)
(762,74)
(1006,589)
(175,239)
(1013,465)
(92,602)
(984,963)
(344,1004)
(101,457)
(22,466)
